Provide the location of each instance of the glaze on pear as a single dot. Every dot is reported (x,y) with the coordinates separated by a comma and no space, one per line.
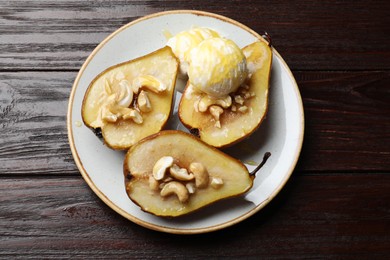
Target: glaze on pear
(122,134)
(185,149)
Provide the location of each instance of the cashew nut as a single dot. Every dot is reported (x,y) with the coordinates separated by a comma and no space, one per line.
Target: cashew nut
(180,174)
(206,101)
(153,183)
(108,116)
(167,179)
(144,102)
(176,188)
(216,112)
(161,167)
(200,173)
(149,82)
(134,115)
(239,100)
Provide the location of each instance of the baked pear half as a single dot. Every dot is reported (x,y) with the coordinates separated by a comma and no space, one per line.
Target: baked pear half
(223,122)
(132,100)
(173,173)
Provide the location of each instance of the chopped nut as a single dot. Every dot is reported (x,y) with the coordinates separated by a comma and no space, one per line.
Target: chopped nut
(125,96)
(161,167)
(111,118)
(216,183)
(136,116)
(200,173)
(180,174)
(234,108)
(243,109)
(176,188)
(206,101)
(144,102)
(239,100)
(108,116)
(216,112)
(247,95)
(190,187)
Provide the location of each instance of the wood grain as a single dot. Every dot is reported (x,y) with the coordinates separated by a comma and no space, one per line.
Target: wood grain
(336,204)
(315,216)
(327,35)
(33,109)
(347,122)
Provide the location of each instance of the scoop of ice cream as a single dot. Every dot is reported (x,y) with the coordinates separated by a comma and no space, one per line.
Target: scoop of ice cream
(182,43)
(217,67)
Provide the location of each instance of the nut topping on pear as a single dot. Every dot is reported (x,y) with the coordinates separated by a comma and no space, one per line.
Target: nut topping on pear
(132,100)
(173,173)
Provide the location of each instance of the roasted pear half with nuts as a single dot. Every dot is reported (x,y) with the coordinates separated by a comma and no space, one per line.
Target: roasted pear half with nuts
(131,100)
(173,173)
(223,122)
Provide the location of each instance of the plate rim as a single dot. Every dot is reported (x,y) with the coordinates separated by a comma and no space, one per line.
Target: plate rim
(157,227)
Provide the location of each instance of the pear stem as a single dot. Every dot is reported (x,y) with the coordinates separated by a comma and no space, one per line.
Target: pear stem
(268,38)
(265,158)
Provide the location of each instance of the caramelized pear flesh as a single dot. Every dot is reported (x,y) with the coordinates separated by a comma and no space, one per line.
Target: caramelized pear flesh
(169,195)
(132,100)
(239,120)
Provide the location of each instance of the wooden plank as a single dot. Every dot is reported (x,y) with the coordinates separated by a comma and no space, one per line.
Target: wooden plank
(347,122)
(56,35)
(33,110)
(314,216)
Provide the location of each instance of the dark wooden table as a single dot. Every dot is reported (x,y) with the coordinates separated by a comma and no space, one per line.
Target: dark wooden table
(337,202)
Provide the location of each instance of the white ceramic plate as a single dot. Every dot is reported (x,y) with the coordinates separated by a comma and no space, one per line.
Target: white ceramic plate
(281,133)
